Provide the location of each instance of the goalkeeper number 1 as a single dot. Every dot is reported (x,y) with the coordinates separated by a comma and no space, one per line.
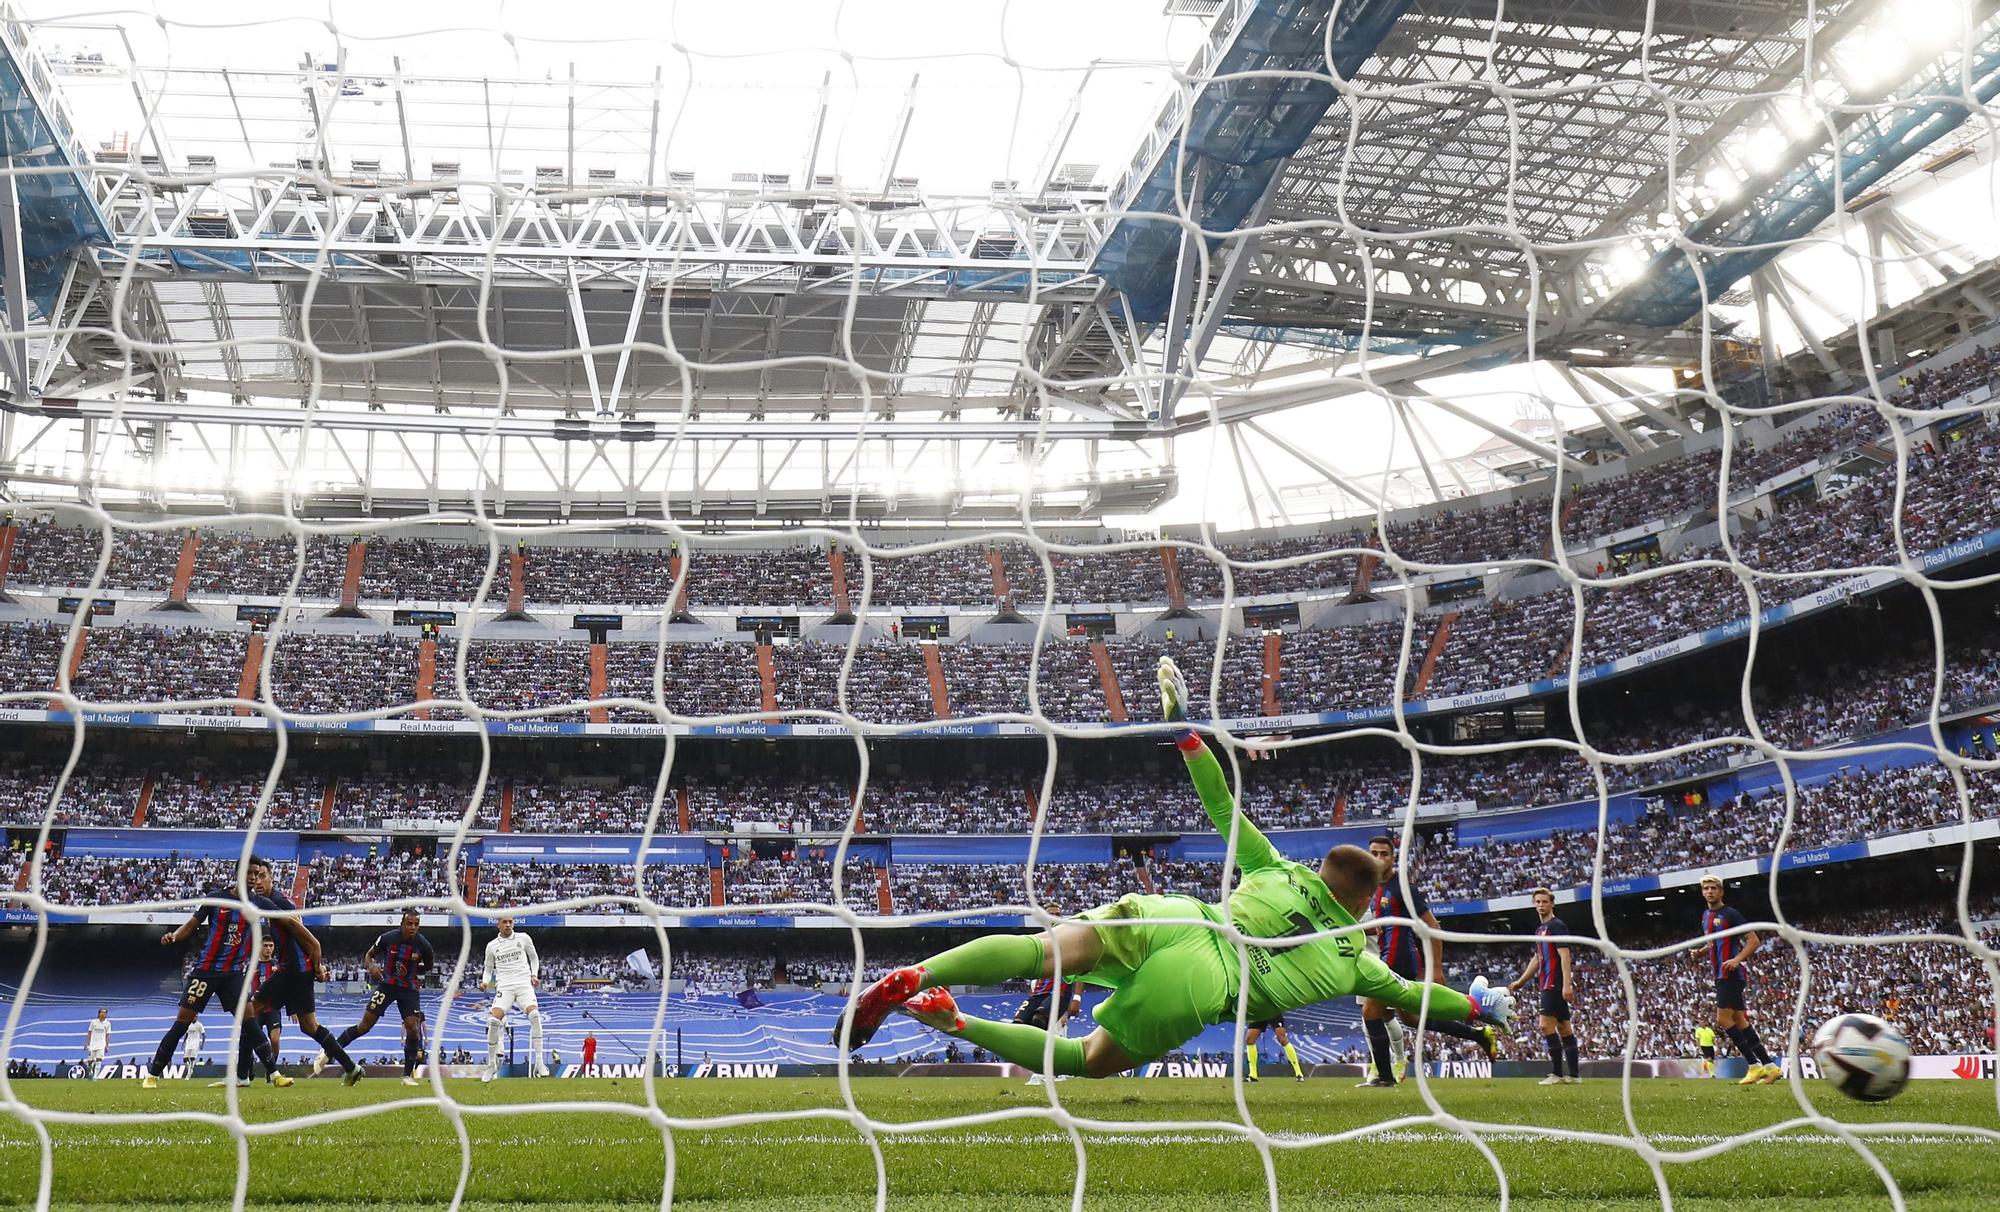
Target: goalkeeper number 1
(1170,970)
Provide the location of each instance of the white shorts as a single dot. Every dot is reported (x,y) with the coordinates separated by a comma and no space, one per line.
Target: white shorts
(95,1055)
(506,997)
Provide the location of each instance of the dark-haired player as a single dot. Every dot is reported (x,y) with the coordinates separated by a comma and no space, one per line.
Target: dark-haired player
(1171,971)
(220,959)
(1553,970)
(1047,997)
(1726,956)
(396,964)
(289,990)
(271,1022)
(1407,957)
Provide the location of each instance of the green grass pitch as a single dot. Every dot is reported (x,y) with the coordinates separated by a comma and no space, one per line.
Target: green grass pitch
(570,1159)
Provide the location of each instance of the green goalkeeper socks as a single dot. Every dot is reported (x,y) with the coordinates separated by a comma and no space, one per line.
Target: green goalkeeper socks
(1293,1056)
(986,961)
(1250,1055)
(1023,1045)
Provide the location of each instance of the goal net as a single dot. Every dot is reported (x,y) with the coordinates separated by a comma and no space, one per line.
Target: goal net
(716,489)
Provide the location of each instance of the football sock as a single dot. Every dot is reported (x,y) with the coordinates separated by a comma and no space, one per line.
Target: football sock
(164,1054)
(1740,1037)
(1569,1055)
(350,1034)
(333,1048)
(535,1060)
(1464,1031)
(987,961)
(1746,1043)
(413,1049)
(260,1042)
(1293,1056)
(1022,1044)
(1554,1045)
(1757,1045)
(1396,1044)
(1250,1060)
(1378,1047)
(493,1043)
(246,1051)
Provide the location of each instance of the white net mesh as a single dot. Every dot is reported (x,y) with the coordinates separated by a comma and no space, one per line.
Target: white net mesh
(1434,193)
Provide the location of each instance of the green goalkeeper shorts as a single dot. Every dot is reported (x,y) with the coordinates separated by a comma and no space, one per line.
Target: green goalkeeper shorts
(1170,979)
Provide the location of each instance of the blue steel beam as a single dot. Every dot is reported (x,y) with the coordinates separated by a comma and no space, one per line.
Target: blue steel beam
(1747,237)
(58,212)
(1240,131)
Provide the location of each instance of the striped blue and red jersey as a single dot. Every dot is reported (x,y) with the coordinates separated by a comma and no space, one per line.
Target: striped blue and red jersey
(1041,989)
(226,946)
(1398,944)
(261,974)
(290,952)
(1549,974)
(403,960)
(1721,949)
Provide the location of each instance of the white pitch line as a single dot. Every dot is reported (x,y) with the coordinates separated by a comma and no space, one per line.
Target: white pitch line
(955,1139)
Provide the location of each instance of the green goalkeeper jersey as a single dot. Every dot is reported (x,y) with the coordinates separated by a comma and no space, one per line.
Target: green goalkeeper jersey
(1278,898)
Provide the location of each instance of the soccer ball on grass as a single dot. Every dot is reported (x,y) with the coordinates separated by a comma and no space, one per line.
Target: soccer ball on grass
(1863,1056)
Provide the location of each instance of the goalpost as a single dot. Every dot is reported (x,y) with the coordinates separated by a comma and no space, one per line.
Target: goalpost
(1663,242)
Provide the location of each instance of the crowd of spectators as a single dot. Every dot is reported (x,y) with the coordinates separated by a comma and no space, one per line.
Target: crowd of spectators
(194,795)
(715,678)
(958,575)
(433,570)
(376,797)
(65,557)
(587,805)
(574,969)
(451,569)
(1341,669)
(517,675)
(314,673)
(352,879)
(93,795)
(229,563)
(798,879)
(1495,644)
(1254,567)
(30,654)
(139,663)
(537,886)
(888,683)
(794,803)
(1670,837)
(1059,887)
(91,879)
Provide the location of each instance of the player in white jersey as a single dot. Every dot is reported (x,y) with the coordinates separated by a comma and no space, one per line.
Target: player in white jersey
(100,1039)
(192,1042)
(512,972)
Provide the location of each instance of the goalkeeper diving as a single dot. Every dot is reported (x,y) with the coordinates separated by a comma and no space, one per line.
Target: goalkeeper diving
(1171,978)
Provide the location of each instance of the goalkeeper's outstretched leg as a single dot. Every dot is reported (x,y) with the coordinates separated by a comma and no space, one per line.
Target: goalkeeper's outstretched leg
(1167,960)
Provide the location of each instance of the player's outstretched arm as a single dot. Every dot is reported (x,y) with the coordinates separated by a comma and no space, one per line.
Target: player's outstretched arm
(1253,850)
(1480,1004)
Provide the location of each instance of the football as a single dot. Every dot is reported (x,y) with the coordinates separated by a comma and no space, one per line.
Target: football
(1863,1056)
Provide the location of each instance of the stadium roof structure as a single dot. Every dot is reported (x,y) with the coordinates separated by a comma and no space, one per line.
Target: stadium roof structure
(609,336)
